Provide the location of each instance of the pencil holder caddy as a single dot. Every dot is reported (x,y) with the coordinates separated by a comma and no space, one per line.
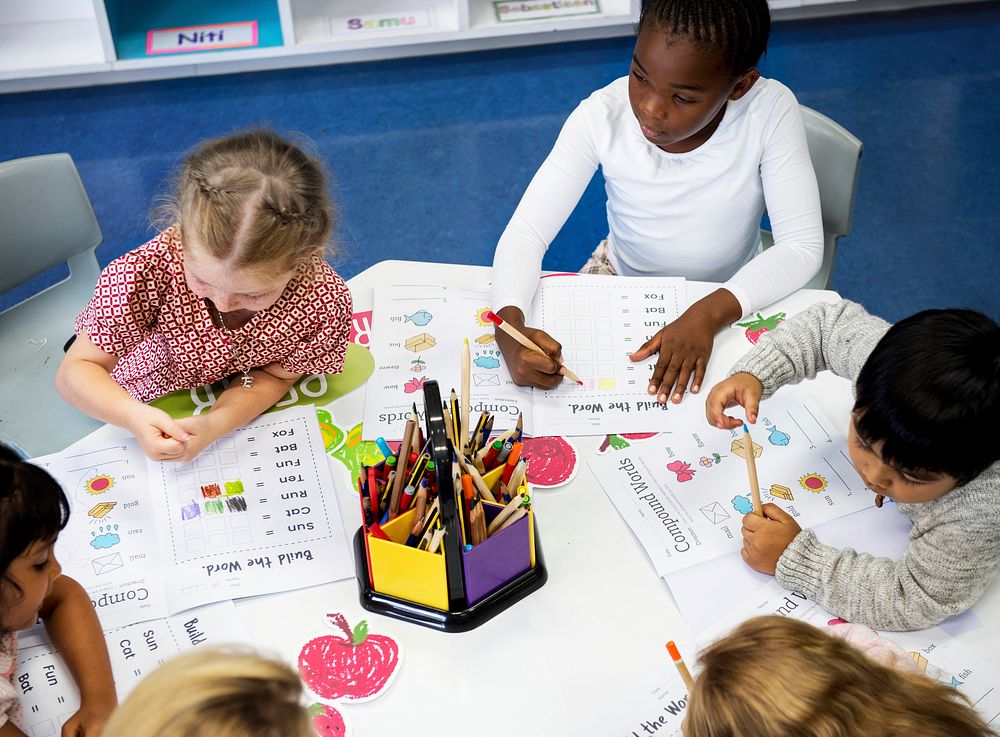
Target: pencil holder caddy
(452,589)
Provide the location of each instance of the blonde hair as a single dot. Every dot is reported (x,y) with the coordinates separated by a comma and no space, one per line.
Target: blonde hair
(253,198)
(214,692)
(778,677)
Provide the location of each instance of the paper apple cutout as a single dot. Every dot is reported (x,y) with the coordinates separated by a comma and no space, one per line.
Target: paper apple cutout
(356,666)
(327,721)
(552,461)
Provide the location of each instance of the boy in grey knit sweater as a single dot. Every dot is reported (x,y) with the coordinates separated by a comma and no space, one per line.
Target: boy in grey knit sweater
(924,433)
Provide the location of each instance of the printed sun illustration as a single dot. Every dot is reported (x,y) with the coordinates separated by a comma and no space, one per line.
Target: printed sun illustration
(100,484)
(481,317)
(813,482)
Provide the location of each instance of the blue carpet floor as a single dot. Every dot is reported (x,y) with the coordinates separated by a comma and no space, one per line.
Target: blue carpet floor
(431,155)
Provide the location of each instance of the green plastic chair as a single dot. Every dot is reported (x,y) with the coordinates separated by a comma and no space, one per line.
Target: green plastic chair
(836,157)
(45,220)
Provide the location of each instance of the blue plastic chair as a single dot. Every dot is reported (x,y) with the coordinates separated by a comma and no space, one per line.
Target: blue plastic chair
(836,158)
(45,220)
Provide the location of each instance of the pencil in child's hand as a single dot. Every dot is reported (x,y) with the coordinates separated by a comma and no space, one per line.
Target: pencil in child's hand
(527,342)
(675,655)
(751,470)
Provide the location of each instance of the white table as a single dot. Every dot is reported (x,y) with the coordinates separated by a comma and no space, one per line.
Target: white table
(564,653)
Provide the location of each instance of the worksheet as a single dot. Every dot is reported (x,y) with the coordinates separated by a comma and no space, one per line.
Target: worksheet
(936,653)
(656,705)
(418,333)
(254,513)
(50,697)
(684,493)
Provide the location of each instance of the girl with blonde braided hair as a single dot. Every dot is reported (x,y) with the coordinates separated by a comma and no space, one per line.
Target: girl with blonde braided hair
(235,285)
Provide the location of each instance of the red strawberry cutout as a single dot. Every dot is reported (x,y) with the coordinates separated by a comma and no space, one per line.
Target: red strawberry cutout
(327,721)
(756,328)
(683,470)
(357,666)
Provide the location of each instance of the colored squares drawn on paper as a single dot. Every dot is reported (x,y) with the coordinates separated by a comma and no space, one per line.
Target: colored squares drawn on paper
(100,483)
(420,342)
(214,506)
(813,482)
(236,504)
(190,510)
(234,487)
(99,510)
(210,491)
(739,448)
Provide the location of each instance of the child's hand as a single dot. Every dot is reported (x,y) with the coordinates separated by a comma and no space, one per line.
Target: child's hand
(684,347)
(765,538)
(160,435)
(741,389)
(89,720)
(201,431)
(527,367)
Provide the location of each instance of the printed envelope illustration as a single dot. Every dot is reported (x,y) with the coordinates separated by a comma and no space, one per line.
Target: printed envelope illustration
(107,563)
(739,448)
(714,513)
(486,379)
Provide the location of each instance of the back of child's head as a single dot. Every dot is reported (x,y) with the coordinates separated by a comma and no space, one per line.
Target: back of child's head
(252,199)
(930,392)
(737,30)
(33,507)
(779,677)
(214,692)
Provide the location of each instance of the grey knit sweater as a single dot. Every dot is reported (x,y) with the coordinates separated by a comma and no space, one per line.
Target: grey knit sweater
(954,549)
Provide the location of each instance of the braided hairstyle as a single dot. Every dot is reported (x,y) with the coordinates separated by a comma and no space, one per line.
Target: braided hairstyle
(252,198)
(736,29)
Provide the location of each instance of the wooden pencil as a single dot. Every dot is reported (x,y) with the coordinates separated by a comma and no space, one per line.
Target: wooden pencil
(465,398)
(751,470)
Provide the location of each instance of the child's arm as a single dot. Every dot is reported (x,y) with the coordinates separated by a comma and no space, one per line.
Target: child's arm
(9,730)
(84,380)
(76,633)
(237,405)
(545,206)
(838,337)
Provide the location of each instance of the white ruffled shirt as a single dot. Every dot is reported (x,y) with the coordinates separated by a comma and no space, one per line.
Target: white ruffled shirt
(695,214)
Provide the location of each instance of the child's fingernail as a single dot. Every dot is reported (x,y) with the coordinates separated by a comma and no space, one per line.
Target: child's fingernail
(695,388)
(662,399)
(652,389)
(677,398)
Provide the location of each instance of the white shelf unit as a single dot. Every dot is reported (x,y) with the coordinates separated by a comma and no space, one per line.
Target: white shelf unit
(47,44)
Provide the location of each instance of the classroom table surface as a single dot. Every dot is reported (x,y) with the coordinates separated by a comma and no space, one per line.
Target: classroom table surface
(566,652)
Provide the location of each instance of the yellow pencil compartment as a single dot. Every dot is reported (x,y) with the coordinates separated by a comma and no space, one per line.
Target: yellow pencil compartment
(453,589)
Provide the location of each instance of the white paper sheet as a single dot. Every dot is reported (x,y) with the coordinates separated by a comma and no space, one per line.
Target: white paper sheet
(49,696)
(255,513)
(657,706)
(684,493)
(418,333)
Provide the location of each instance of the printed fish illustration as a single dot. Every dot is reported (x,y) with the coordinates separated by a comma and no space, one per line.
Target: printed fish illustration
(420,317)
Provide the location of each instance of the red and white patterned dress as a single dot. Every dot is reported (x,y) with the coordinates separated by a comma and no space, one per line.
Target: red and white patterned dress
(144,312)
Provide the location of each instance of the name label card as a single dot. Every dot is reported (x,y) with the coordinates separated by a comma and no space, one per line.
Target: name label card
(201,38)
(400,20)
(517,10)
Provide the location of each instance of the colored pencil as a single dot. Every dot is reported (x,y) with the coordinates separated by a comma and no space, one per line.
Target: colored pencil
(675,655)
(527,342)
(751,469)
